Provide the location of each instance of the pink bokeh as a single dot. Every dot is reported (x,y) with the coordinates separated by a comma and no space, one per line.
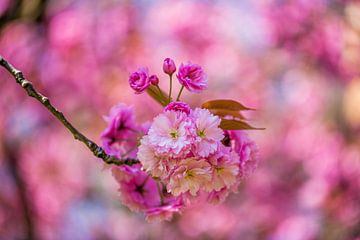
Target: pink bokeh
(296,62)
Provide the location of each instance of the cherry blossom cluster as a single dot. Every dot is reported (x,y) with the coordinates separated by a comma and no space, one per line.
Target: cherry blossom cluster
(183,152)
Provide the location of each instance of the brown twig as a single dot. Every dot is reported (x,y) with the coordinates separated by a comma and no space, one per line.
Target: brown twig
(32,92)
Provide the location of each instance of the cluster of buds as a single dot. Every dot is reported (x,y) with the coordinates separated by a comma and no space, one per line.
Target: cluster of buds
(191,76)
(184,153)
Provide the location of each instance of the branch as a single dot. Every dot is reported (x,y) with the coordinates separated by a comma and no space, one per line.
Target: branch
(13,162)
(32,92)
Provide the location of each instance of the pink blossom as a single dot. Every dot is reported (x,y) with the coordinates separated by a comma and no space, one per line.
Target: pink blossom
(139,80)
(247,150)
(171,133)
(140,192)
(137,190)
(152,163)
(120,135)
(216,197)
(190,175)
(225,167)
(164,212)
(178,106)
(208,132)
(192,77)
(169,66)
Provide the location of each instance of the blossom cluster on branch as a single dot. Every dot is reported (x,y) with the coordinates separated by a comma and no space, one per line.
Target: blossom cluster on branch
(184,153)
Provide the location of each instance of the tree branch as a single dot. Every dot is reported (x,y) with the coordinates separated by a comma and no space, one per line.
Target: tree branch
(32,92)
(13,162)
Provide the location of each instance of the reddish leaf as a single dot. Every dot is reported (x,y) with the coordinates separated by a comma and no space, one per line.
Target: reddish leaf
(236,125)
(225,104)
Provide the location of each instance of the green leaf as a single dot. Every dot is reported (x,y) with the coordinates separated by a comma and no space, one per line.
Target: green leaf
(227,124)
(155,94)
(225,104)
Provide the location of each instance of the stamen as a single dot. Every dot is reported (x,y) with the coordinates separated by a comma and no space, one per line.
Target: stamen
(201,133)
(174,134)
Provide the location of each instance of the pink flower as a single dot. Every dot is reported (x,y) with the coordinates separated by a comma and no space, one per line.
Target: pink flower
(225,167)
(216,197)
(171,133)
(178,106)
(192,77)
(190,175)
(137,190)
(164,212)
(152,163)
(247,150)
(120,135)
(208,132)
(139,80)
(169,66)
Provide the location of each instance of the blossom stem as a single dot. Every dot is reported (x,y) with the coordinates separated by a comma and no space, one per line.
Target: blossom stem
(32,92)
(160,192)
(170,89)
(158,88)
(178,97)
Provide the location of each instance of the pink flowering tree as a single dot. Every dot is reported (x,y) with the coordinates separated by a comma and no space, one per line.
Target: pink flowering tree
(295,60)
(164,165)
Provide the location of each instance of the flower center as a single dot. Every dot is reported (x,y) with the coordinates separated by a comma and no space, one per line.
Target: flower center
(201,133)
(174,134)
(140,189)
(121,126)
(189,174)
(219,169)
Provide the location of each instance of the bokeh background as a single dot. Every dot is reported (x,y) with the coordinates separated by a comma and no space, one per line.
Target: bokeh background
(296,61)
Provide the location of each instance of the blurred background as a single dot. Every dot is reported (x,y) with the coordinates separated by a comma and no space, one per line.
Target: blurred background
(297,62)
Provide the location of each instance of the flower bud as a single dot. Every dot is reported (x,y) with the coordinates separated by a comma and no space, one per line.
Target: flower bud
(169,66)
(154,80)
